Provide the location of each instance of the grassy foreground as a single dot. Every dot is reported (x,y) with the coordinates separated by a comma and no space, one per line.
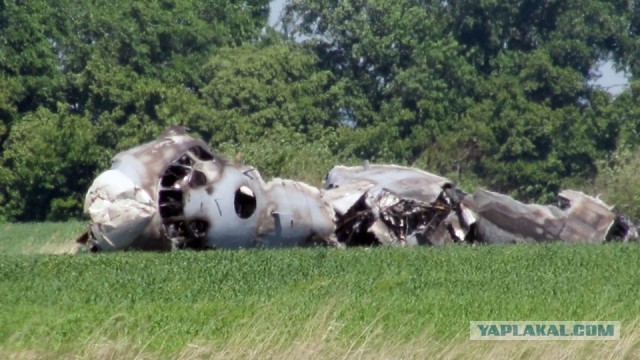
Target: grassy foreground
(305,303)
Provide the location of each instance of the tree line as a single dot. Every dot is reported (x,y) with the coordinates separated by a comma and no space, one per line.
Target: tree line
(489,93)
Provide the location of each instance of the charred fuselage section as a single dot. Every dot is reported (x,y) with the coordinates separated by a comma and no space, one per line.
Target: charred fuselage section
(394,205)
(175,193)
(578,218)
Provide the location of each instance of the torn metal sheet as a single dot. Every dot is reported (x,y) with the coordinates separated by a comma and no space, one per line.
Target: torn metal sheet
(174,192)
(590,220)
(120,210)
(394,205)
(579,218)
(405,181)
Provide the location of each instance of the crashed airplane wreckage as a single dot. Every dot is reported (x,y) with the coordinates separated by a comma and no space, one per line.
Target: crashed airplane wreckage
(578,218)
(175,193)
(389,204)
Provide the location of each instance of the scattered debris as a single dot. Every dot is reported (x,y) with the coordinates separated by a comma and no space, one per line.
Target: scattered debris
(394,205)
(579,218)
(175,193)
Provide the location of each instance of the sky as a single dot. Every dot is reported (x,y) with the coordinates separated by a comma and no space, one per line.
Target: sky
(614,82)
(275,7)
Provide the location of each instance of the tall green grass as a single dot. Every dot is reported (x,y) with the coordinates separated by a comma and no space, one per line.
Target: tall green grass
(379,302)
(39,238)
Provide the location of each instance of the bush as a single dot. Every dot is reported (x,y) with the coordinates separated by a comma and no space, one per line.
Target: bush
(618,181)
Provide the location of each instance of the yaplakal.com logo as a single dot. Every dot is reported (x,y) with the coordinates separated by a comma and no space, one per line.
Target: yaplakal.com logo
(545,330)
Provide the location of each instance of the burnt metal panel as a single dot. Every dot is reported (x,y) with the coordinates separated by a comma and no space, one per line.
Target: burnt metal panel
(406,182)
(579,218)
(394,205)
(502,219)
(588,219)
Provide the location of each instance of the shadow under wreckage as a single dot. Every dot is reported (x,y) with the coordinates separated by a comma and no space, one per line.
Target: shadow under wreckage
(175,193)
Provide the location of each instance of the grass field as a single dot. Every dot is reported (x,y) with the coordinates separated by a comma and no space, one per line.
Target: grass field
(305,303)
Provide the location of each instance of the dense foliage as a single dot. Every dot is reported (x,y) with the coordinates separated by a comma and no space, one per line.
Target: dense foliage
(492,93)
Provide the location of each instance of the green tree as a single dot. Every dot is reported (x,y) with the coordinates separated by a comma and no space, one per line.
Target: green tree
(49,160)
(29,73)
(272,107)
(617,178)
(168,40)
(493,91)
(400,72)
(253,88)
(115,68)
(528,142)
(547,125)
(575,33)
